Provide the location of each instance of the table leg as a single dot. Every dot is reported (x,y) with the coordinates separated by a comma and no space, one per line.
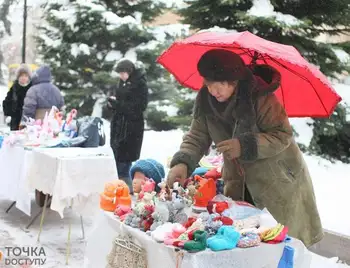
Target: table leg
(9,208)
(43,216)
(82,226)
(68,241)
(34,218)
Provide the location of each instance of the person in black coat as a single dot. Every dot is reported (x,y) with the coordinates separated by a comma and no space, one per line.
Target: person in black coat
(13,103)
(127,126)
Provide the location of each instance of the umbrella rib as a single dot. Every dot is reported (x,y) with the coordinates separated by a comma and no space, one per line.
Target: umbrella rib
(302,77)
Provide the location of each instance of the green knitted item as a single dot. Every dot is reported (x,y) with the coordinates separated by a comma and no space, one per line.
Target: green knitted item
(199,242)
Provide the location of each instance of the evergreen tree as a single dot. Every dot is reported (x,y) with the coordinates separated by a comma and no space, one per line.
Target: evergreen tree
(305,20)
(83,41)
(5,29)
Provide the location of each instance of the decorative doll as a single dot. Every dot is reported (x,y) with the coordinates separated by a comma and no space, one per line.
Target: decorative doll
(147,168)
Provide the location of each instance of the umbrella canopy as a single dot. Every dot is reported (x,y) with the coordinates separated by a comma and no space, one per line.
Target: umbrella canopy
(304,90)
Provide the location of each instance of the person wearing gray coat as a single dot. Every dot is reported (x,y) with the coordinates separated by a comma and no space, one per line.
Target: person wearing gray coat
(42,95)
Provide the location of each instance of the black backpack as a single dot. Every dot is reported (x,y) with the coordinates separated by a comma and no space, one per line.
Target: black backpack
(91,128)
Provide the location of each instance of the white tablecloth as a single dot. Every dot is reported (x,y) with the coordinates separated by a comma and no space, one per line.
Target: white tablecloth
(68,174)
(14,167)
(159,256)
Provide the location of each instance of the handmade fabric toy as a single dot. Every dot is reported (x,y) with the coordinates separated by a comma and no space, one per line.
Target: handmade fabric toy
(198,243)
(200,171)
(160,215)
(160,233)
(141,216)
(148,168)
(122,211)
(217,207)
(147,187)
(122,195)
(251,222)
(206,190)
(212,223)
(176,211)
(173,236)
(226,239)
(249,240)
(275,235)
(214,173)
(107,198)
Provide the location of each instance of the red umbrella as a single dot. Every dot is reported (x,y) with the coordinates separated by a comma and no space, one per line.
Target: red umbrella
(304,90)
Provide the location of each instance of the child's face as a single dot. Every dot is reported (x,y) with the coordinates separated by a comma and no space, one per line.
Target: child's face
(137,182)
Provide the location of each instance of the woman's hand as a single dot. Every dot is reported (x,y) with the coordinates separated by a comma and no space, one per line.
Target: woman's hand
(111,101)
(231,148)
(177,173)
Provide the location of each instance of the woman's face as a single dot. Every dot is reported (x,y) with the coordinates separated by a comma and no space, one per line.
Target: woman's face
(222,91)
(124,76)
(23,79)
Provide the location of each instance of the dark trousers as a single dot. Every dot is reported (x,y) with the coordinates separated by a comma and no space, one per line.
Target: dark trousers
(123,169)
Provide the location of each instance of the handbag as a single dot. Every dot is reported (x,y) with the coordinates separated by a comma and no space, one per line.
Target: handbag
(126,254)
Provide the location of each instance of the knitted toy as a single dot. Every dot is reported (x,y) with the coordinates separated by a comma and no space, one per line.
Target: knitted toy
(162,193)
(226,239)
(148,168)
(206,190)
(122,196)
(198,243)
(249,240)
(212,223)
(141,216)
(160,215)
(161,232)
(176,211)
(251,222)
(107,198)
(122,211)
(173,236)
(214,173)
(217,207)
(148,187)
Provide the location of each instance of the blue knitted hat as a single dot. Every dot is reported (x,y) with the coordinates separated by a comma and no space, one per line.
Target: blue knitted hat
(151,168)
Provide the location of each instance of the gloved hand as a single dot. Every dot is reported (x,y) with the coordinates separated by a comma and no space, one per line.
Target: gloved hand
(112,102)
(177,173)
(231,148)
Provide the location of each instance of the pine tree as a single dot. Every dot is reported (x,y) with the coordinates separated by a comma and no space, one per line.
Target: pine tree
(84,40)
(305,22)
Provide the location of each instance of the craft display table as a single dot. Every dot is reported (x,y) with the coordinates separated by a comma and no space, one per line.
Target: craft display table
(68,174)
(101,239)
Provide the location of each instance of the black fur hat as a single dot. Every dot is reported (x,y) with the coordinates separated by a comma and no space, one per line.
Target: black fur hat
(125,66)
(220,65)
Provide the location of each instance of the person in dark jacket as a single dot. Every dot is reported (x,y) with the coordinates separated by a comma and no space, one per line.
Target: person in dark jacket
(42,95)
(128,103)
(13,103)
